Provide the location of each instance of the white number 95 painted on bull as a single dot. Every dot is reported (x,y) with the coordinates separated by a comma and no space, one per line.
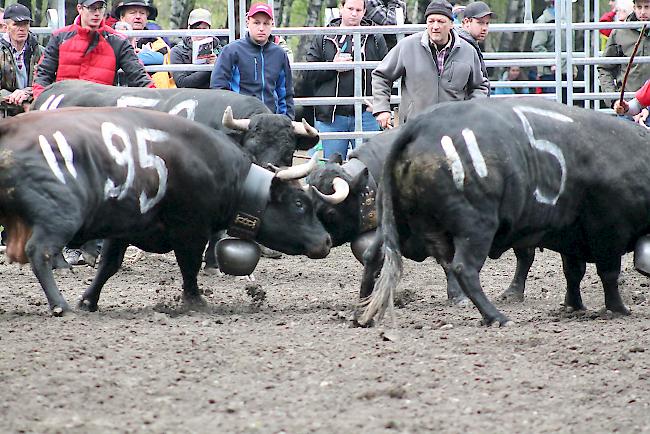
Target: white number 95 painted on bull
(124,157)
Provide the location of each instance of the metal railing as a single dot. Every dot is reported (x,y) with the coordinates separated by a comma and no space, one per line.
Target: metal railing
(564,27)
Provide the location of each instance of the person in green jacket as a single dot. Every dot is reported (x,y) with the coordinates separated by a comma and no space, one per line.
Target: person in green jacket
(19,54)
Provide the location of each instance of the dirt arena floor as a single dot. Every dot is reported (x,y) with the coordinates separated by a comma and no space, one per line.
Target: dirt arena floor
(279,356)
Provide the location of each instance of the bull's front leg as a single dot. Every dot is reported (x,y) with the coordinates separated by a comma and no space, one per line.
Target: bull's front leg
(112,257)
(41,249)
(574,271)
(515,291)
(469,257)
(188,256)
(609,273)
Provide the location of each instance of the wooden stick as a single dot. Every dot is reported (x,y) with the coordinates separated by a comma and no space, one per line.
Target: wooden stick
(629,64)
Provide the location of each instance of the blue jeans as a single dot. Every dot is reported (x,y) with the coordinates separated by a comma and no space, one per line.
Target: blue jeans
(344,123)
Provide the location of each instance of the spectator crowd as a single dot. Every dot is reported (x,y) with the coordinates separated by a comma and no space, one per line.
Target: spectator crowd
(444,62)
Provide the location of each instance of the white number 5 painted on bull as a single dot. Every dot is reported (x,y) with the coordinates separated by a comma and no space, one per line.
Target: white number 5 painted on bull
(125,158)
(545,146)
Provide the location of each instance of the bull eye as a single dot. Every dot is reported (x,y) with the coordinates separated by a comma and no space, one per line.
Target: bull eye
(299,204)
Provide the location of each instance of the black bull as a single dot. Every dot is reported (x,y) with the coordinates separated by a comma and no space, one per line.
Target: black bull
(270,138)
(472,179)
(350,217)
(137,177)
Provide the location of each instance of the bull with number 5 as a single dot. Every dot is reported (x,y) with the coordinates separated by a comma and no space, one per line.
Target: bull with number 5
(473,179)
(145,178)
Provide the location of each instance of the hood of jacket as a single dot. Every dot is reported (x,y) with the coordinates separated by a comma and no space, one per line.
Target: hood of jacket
(336,22)
(31,41)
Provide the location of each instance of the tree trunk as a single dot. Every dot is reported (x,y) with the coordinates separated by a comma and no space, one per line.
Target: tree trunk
(278,7)
(285,15)
(180,10)
(513,41)
(70,11)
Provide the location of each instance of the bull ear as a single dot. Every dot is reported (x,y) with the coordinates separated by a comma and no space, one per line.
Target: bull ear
(305,143)
(335,159)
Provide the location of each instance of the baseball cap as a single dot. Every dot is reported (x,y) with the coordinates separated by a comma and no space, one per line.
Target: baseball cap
(260,7)
(200,16)
(477,9)
(18,13)
(90,2)
(439,7)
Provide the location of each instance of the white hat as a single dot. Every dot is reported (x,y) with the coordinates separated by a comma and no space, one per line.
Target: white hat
(200,16)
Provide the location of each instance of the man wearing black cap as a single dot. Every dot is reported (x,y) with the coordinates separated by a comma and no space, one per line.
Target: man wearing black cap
(436,66)
(475,26)
(19,53)
(89,50)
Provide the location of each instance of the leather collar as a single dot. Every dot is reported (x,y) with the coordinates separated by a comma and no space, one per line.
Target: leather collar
(252,203)
(367,195)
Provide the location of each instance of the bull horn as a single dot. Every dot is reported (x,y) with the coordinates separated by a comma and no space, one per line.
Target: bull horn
(341,191)
(229,121)
(300,170)
(304,129)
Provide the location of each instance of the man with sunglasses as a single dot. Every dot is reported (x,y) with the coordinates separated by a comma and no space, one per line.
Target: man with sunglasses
(89,50)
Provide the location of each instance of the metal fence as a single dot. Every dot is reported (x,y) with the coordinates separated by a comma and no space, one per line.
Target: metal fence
(564,27)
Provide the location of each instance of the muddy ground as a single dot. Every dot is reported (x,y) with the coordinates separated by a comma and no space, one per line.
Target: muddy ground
(285,359)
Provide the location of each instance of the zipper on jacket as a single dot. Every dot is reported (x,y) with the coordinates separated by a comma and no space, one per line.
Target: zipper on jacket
(255,58)
(262,73)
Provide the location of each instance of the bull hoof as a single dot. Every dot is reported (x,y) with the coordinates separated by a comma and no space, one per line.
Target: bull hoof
(355,320)
(59,311)
(460,301)
(620,310)
(572,309)
(212,271)
(511,295)
(195,302)
(86,305)
(501,321)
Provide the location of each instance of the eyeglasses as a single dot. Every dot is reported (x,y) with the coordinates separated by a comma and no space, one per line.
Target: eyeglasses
(95,8)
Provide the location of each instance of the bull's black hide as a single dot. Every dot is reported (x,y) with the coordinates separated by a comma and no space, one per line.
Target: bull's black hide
(132,176)
(472,179)
(355,215)
(270,138)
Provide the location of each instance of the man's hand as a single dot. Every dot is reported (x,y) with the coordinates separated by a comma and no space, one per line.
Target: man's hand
(621,107)
(17,97)
(384,120)
(641,118)
(342,57)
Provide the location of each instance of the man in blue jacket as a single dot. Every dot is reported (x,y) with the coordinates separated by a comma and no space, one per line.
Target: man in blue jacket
(256,66)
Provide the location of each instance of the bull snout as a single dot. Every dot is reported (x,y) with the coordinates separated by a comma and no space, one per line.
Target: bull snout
(321,250)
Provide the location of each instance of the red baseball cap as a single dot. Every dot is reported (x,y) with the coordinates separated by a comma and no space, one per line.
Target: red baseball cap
(260,7)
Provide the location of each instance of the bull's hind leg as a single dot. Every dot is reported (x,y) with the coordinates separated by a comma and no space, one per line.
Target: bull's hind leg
(189,259)
(469,257)
(41,249)
(609,272)
(112,257)
(515,291)
(574,271)
(373,259)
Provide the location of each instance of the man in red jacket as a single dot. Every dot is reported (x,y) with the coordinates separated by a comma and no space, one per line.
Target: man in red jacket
(89,50)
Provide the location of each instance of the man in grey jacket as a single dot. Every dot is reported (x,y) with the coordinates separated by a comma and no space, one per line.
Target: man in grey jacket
(436,66)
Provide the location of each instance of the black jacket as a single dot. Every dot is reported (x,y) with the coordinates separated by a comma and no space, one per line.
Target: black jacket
(332,83)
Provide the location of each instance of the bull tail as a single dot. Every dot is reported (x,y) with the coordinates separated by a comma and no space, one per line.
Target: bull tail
(382,298)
